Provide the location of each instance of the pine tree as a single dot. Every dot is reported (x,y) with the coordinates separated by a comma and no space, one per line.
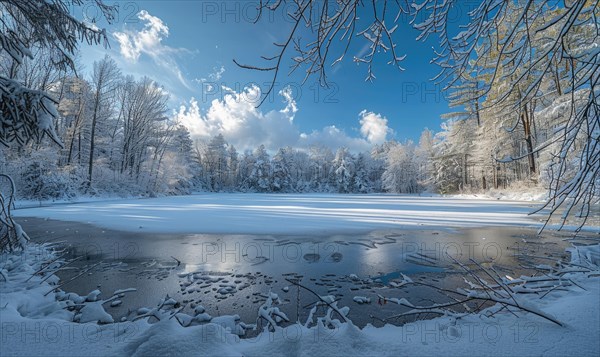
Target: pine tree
(260,177)
(343,171)
(281,180)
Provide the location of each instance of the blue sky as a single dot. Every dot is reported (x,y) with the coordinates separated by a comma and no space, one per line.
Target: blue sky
(189,47)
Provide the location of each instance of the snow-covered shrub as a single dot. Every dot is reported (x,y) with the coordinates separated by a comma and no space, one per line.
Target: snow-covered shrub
(28,113)
(51,185)
(41,180)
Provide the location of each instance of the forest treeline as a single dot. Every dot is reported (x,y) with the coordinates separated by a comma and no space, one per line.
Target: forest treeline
(119,137)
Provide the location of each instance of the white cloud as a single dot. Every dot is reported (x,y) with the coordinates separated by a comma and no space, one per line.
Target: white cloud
(291,108)
(374,127)
(149,41)
(246,127)
(238,119)
(333,138)
(217,73)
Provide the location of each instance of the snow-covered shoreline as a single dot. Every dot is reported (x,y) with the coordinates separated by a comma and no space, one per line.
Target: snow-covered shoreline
(34,323)
(231,213)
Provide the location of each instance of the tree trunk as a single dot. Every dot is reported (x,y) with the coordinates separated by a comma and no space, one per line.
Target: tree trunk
(465,171)
(495,169)
(76,129)
(92,136)
(79,147)
(525,120)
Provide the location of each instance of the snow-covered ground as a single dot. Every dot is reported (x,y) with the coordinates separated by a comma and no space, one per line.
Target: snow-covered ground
(27,203)
(520,195)
(290,213)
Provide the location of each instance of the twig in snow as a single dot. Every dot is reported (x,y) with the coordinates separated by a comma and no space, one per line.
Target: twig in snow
(177,260)
(55,271)
(45,267)
(320,298)
(73,278)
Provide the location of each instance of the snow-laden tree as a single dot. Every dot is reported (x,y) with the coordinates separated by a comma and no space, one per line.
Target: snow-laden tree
(74,107)
(298,162)
(361,181)
(26,26)
(41,179)
(261,174)
(29,27)
(320,167)
(424,155)
(105,81)
(448,158)
(343,170)
(401,172)
(245,169)
(35,73)
(232,167)
(143,106)
(215,162)
(521,47)
(281,180)
(180,167)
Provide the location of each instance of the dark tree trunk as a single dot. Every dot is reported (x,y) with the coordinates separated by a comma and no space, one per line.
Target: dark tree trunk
(526,121)
(93,132)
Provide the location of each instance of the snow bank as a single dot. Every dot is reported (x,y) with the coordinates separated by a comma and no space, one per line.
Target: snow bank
(289,213)
(27,203)
(529,196)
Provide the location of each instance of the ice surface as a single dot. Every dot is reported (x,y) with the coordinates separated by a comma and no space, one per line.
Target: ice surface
(289,213)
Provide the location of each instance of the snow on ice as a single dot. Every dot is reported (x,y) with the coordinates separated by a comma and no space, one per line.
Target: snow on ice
(289,213)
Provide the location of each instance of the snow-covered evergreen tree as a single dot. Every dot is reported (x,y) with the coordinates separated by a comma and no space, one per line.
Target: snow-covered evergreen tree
(215,162)
(424,155)
(320,168)
(260,176)
(361,181)
(281,180)
(343,171)
(232,168)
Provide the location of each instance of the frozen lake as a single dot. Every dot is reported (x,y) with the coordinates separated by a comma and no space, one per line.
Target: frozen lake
(292,214)
(250,266)
(227,251)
